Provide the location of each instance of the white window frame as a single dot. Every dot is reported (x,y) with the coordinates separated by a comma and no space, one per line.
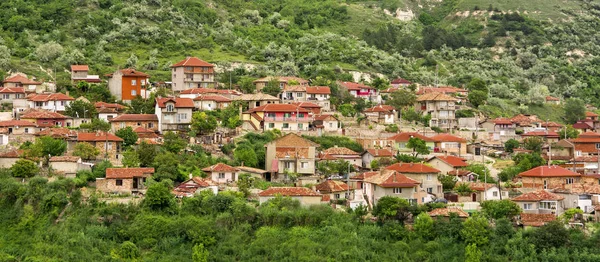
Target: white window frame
(133,82)
(397,190)
(221,175)
(569,180)
(527,206)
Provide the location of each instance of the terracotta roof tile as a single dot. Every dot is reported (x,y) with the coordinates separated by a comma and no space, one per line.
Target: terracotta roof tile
(446,211)
(216,98)
(49,97)
(354,86)
(380,108)
(277,108)
(220,167)
(582,125)
(142,130)
(118,173)
(322,90)
(327,157)
(434,96)
(131,72)
(80,68)
(192,61)
(400,80)
(441,89)
(551,98)
(536,220)
(525,120)
(21,79)
(452,160)
(443,137)
(390,178)
(331,186)
(590,114)
(12,90)
(189,187)
(404,137)
(58,132)
(42,114)
(295,88)
(16,153)
(459,172)
(179,102)
(549,171)
(134,117)
(306,105)
(65,159)
(98,137)
(364,175)
(380,152)
(339,151)
(412,168)
(502,121)
(550,134)
(11,123)
(251,169)
(536,196)
(256,97)
(550,124)
(109,105)
(293,140)
(324,117)
(289,191)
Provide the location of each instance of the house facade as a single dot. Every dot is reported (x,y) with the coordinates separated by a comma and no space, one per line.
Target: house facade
(80,73)
(257,100)
(292,153)
(327,123)
(394,184)
(334,188)
(147,121)
(426,176)
(19,127)
(174,113)
(55,102)
(540,202)
(441,107)
(192,73)
(285,117)
(381,114)
(21,80)
(447,164)
(196,92)
(44,119)
(343,153)
(211,102)
(195,185)
(549,177)
(399,142)
(380,155)
(446,143)
(221,173)
(127,84)
(319,95)
(362,91)
(8,94)
(108,144)
(124,180)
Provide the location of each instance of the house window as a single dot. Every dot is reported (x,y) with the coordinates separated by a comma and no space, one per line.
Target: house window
(119,182)
(143,82)
(286,125)
(397,190)
(288,165)
(170,108)
(62,103)
(133,92)
(412,201)
(300,115)
(330,124)
(109,117)
(430,190)
(527,206)
(271,114)
(429,177)
(26,130)
(495,193)
(181,117)
(133,82)
(271,125)
(122,125)
(304,164)
(337,196)
(545,184)
(299,94)
(569,181)
(300,126)
(547,205)
(108,145)
(287,115)
(150,125)
(221,175)
(6,96)
(139,124)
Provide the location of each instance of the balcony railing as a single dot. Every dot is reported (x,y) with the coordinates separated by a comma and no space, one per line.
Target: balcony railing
(198,80)
(286,119)
(446,107)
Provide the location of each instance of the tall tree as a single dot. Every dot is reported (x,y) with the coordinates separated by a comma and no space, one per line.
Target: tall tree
(401,99)
(24,168)
(86,151)
(47,146)
(81,109)
(173,143)
(418,146)
(130,158)
(146,153)
(574,110)
(128,135)
(203,123)
(272,87)
(511,144)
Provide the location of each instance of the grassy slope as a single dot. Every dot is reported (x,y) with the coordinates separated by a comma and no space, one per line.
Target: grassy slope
(539,9)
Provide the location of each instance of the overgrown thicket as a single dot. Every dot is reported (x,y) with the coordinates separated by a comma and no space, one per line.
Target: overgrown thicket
(51,221)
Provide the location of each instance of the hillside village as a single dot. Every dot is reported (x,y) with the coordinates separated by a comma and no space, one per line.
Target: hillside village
(292,137)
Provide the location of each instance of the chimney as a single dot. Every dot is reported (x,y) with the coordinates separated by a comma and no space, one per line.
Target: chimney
(67,93)
(242,163)
(190,175)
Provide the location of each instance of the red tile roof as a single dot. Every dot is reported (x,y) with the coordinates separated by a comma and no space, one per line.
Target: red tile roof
(109,105)
(277,108)
(289,191)
(330,186)
(42,114)
(502,121)
(390,178)
(446,211)
(435,96)
(582,125)
(21,79)
(550,134)
(404,137)
(323,90)
(590,114)
(140,129)
(364,175)
(380,108)
(189,187)
(536,196)
(525,120)
(550,124)
(549,171)
(203,90)
(179,102)
(98,137)
(293,140)
(12,90)
(354,86)
(64,159)
(134,117)
(80,68)
(448,138)
(49,97)
(216,98)
(11,123)
(59,132)
(16,153)
(324,117)
(192,61)
(120,173)
(339,151)
(459,172)
(441,89)
(327,157)
(412,168)
(400,80)
(452,160)
(380,152)
(306,104)
(220,167)
(131,72)
(536,220)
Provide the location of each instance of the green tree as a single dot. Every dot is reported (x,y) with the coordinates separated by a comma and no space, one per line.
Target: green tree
(47,146)
(568,132)
(551,235)
(463,189)
(570,213)
(173,143)
(347,110)
(203,123)
(574,110)
(472,253)
(246,85)
(511,144)
(418,146)
(24,168)
(401,99)
(81,109)
(128,135)
(96,125)
(477,98)
(244,183)
(246,155)
(424,226)
(99,170)
(448,182)
(200,254)
(159,197)
(475,230)
(130,158)
(374,164)
(477,84)
(534,144)
(140,105)
(389,207)
(165,165)
(497,209)
(146,153)
(86,151)
(380,83)
(272,87)
(128,250)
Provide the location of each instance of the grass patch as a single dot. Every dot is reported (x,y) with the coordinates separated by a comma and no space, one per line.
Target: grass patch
(502,164)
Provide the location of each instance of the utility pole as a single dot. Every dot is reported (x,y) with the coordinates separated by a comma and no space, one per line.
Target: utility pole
(549,145)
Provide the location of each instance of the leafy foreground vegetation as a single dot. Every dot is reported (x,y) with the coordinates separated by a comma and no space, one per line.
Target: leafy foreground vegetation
(51,221)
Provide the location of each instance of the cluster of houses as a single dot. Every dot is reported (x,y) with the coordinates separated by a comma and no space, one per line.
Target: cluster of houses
(544,192)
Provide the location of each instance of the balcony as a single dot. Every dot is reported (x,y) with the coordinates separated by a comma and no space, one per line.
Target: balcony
(286,119)
(446,107)
(198,80)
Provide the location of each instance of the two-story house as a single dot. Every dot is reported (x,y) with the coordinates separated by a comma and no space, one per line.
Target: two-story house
(549,177)
(192,73)
(222,173)
(501,129)
(290,153)
(148,121)
(44,119)
(447,143)
(173,113)
(196,92)
(363,91)
(108,111)
(21,80)
(8,94)
(257,100)
(55,102)
(393,184)
(426,176)
(334,188)
(211,102)
(19,127)
(540,202)
(447,164)
(125,180)
(380,155)
(80,73)
(293,93)
(441,107)
(283,81)
(327,123)
(547,136)
(285,117)
(381,114)
(342,153)
(399,142)
(126,84)
(319,95)
(312,108)
(108,144)
(586,144)
(400,82)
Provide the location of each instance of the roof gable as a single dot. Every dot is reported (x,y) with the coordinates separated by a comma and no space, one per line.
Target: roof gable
(416,168)
(192,61)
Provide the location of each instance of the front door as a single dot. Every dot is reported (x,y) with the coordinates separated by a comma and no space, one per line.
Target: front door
(135,182)
(474,197)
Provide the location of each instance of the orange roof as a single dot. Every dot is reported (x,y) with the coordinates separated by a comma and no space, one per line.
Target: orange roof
(10,123)
(582,125)
(12,90)
(216,98)
(404,137)
(390,178)
(134,117)
(220,167)
(443,137)
(119,173)
(327,157)
(42,114)
(323,90)
(16,153)
(295,88)
(80,68)
(480,186)
(324,117)
(459,172)
(502,121)
(590,114)
(289,191)
(179,102)
(549,171)
(64,159)
(204,90)
(21,79)
(277,108)
(550,124)
(550,134)
(330,186)
(364,175)
(59,132)
(446,211)
(452,160)
(98,137)
(435,96)
(140,129)
(536,220)
(536,196)
(400,80)
(109,105)
(412,168)
(525,120)
(306,105)
(293,140)
(192,61)
(380,108)
(354,86)
(49,97)
(380,152)
(131,72)
(339,151)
